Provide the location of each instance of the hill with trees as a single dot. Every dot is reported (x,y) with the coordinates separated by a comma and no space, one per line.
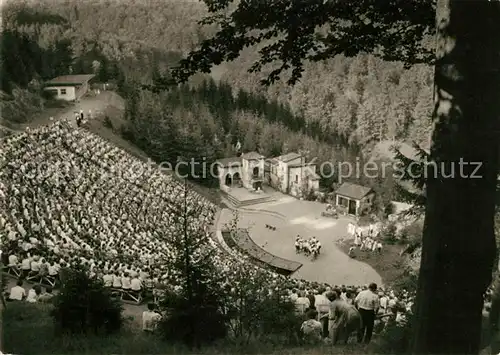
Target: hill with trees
(364,100)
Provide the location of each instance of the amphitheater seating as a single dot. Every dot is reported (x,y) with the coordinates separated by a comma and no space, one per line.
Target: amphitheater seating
(12,271)
(71,197)
(128,296)
(41,280)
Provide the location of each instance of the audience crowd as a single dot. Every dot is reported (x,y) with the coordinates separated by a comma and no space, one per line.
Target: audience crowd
(68,198)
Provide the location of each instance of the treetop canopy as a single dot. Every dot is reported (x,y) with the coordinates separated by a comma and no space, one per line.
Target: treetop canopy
(290,32)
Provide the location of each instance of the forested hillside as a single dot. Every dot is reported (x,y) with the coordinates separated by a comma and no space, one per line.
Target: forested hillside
(363,99)
(44,39)
(204,124)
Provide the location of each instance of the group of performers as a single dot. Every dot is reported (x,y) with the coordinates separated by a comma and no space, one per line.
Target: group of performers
(310,247)
(366,238)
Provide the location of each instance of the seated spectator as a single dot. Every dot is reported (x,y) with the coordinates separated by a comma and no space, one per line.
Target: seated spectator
(311,329)
(17,293)
(35,266)
(44,268)
(126,281)
(117,280)
(150,318)
(107,279)
(53,269)
(135,284)
(47,296)
(13,261)
(33,294)
(26,265)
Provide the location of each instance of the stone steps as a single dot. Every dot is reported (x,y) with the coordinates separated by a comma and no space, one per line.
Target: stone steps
(236,203)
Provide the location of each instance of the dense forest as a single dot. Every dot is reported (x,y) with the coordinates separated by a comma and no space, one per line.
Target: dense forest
(362,99)
(205,122)
(340,106)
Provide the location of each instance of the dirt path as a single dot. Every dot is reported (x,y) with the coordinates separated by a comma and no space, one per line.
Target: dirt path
(95,103)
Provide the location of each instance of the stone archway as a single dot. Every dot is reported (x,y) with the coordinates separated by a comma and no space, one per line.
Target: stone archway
(229,180)
(236,178)
(255,171)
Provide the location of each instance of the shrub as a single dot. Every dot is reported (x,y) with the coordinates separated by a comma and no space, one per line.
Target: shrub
(85,305)
(412,234)
(396,337)
(407,281)
(107,122)
(389,234)
(193,321)
(255,314)
(195,308)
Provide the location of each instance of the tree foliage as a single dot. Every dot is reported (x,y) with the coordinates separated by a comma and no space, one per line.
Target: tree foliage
(298,31)
(195,314)
(84,305)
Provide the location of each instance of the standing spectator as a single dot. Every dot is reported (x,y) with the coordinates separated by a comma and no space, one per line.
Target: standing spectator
(302,303)
(345,319)
(150,319)
(367,303)
(311,297)
(323,307)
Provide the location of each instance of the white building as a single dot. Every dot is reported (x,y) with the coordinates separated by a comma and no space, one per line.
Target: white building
(291,174)
(245,171)
(69,87)
(354,199)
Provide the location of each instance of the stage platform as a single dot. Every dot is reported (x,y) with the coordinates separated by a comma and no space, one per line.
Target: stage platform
(240,196)
(242,241)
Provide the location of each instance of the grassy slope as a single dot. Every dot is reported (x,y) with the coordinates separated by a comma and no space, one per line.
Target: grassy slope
(28,329)
(389,264)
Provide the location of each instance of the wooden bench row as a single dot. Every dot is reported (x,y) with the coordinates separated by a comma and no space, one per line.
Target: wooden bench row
(126,296)
(45,280)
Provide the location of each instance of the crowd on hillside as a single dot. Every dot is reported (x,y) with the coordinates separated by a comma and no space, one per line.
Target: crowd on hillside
(68,198)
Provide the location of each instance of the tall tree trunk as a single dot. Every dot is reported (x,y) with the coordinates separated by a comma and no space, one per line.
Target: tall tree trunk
(458,239)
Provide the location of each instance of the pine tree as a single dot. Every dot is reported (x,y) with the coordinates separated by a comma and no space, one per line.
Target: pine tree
(195,315)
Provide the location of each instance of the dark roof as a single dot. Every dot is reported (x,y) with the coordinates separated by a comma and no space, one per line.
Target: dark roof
(298,165)
(232,161)
(289,156)
(70,80)
(252,156)
(272,161)
(354,191)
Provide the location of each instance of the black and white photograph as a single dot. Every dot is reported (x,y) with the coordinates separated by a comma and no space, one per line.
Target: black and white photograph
(219,177)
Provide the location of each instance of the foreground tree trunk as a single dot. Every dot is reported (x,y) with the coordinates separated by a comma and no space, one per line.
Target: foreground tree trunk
(458,238)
